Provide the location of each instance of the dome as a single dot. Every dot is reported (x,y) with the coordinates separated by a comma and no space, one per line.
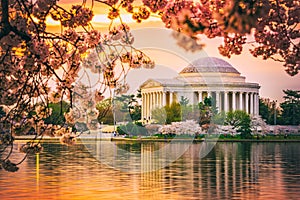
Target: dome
(209,64)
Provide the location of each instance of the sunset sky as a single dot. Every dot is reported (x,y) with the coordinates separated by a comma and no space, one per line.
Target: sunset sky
(157,42)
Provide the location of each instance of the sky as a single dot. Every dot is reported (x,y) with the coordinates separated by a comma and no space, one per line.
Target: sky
(157,42)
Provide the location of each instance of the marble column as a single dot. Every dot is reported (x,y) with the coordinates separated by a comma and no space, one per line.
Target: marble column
(247,102)
(254,104)
(155,100)
(209,94)
(241,101)
(159,99)
(143,107)
(200,96)
(233,101)
(218,100)
(256,99)
(164,99)
(171,98)
(149,104)
(146,105)
(226,101)
(251,103)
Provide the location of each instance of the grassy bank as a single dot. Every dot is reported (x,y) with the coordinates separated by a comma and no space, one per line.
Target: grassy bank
(183,138)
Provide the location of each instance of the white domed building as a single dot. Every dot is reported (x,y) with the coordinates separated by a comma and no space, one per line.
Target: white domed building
(205,77)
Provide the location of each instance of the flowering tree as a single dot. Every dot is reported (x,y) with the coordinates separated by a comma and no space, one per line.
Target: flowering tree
(273,25)
(188,127)
(38,67)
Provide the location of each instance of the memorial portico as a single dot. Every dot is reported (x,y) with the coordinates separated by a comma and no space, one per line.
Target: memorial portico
(206,77)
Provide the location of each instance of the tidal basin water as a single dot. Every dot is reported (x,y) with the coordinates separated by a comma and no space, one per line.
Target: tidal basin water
(229,171)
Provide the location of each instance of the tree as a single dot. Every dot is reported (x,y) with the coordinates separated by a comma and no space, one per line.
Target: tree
(219,118)
(207,110)
(167,114)
(173,112)
(57,114)
(183,101)
(133,129)
(135,109)
(267,110)
(2,112)
(290,108)
(32,57)
(105,112)
(124,101)
(188,112)
(126,109)
(135,112)
(159,115)
(130,106)
(240,121)
(274,24)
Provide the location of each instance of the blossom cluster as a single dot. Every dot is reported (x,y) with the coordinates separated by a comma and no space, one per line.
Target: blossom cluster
(38,66)
(274,23)
(189,127)
(68,139)
(114,51)
(31,148)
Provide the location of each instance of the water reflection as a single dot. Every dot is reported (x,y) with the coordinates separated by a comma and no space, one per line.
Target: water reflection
(229,171)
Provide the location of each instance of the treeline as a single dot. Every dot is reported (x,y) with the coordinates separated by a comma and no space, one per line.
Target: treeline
(287,113)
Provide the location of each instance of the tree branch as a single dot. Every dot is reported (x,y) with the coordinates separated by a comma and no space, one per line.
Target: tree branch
(4,19)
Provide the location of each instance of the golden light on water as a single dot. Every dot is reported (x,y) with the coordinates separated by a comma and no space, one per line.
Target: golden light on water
(37,171)
(61,172)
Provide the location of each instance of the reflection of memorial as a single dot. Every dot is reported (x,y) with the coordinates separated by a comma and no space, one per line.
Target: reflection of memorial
(230,170)
(150,172)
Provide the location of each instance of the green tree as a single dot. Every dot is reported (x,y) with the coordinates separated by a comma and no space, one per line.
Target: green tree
(159,115)
(130,106)
(132,128)
(183,101)
(173,113)
(267,110)
(167,114)
(135,112)
(58,111)
(188,112)
(240,121)
(135,109)
(207,110)
(219,118)
(123,101)
(290,108)
(105,112)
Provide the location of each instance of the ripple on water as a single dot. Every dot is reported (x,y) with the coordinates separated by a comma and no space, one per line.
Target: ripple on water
(230,171)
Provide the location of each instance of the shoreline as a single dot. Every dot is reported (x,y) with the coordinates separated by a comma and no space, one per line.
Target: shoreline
(144,140)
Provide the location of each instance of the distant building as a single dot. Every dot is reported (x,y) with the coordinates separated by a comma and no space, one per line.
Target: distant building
(205,77)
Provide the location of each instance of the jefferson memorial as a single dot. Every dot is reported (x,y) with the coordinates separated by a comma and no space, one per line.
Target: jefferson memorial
(205,77)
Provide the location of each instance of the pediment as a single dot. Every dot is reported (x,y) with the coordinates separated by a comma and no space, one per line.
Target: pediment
(150,84)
